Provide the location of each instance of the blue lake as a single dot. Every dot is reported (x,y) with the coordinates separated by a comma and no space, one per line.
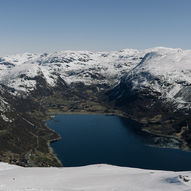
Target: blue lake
(92,139)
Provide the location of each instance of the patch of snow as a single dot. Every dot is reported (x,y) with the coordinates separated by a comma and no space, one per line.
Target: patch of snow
(5,118)
(4,106)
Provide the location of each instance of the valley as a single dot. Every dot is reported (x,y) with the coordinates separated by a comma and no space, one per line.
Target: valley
(36,87)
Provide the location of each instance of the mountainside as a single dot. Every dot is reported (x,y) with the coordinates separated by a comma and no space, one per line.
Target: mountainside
(157,92)
(165,72)
(151,86)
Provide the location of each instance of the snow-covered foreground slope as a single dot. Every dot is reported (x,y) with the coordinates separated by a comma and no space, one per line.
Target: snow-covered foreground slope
(94,177)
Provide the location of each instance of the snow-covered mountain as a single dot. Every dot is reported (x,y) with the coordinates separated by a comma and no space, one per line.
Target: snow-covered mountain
(19,71)
(160,70)
(165,72)
(95,178)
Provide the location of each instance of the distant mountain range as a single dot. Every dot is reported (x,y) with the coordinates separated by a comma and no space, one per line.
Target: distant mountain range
(164,71)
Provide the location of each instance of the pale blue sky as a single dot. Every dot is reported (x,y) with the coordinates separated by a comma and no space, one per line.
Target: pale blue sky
(51,25)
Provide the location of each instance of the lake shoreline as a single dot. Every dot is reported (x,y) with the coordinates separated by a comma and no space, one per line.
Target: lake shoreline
(51,150)
(104,110)
(58,125)
(184,146)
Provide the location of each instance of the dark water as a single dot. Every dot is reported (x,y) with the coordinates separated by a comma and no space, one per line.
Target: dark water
(93,139)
